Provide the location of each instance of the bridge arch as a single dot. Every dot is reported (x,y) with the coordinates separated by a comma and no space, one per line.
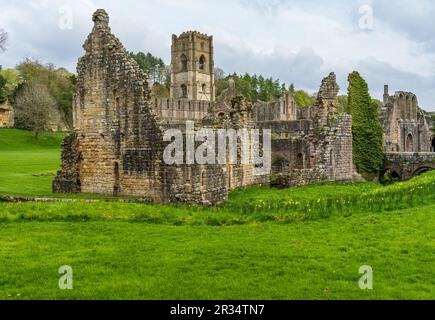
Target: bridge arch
(421,170)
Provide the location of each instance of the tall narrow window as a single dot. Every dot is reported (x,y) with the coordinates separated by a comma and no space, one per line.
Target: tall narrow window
(183,91)
(204,88)
(183,63)
(202,63)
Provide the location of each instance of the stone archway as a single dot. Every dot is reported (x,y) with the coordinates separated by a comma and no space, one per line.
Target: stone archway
(433,144)
(409,145)
(422,170)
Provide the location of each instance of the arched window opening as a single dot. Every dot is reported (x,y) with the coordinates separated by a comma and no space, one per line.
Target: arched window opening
(202,63)
(221,115)
(183,91)
(204,88)
(409,143)
(183,63)
(300,161)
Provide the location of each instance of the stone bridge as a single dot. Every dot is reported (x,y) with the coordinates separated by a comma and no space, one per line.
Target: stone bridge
(407,165)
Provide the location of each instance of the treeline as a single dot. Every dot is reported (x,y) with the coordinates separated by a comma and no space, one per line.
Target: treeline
(154,67)
(258,88)
(55,85)
(158,73)
(254,88)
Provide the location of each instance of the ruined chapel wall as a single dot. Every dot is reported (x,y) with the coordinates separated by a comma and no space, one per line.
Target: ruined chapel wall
(112,117)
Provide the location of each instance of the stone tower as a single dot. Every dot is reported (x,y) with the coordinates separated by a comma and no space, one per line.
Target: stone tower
(192,67)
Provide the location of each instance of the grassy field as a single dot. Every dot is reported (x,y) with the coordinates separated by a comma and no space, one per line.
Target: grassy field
(303,243)
(21,158)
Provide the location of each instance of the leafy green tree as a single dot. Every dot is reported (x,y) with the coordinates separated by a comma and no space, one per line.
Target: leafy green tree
(13,80)
(154,67)
(366,127)
(291,88)
(303,99)
(156,70)
(254,88)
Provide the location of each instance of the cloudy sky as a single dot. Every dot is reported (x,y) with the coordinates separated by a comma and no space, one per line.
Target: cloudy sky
(297,41)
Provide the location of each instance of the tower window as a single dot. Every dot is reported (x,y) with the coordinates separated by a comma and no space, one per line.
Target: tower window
(202,63)
(183,63)
(204,88)
(183,91)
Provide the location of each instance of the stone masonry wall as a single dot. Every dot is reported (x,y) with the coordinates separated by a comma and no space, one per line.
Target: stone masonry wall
(6,115)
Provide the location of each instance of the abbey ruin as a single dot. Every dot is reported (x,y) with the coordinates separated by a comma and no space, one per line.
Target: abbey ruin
(407,128)
(118,143)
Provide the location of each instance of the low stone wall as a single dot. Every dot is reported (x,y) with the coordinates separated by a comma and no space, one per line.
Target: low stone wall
(299,178)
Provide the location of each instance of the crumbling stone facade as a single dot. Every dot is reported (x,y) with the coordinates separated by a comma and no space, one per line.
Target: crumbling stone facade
(117,146)
(285,109)
(317,147)
(407,128)
(6,115)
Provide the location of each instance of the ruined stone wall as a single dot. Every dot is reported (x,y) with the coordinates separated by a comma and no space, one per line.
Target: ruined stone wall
(284,109)
(324,153)
(68,179)
(173,111)
(287,129)
(406,127)
(118,135)
(6,115)
(338,152)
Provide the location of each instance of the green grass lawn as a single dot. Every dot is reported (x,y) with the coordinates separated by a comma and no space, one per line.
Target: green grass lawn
(302,243)
(22,157)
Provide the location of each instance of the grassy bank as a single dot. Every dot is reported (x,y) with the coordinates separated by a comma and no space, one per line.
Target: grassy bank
(24,162)
(253,205)
(302,260)
(301,243)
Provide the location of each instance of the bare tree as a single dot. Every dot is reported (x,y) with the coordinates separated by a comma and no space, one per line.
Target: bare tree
(3,39)
(35,108)
(219,74)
